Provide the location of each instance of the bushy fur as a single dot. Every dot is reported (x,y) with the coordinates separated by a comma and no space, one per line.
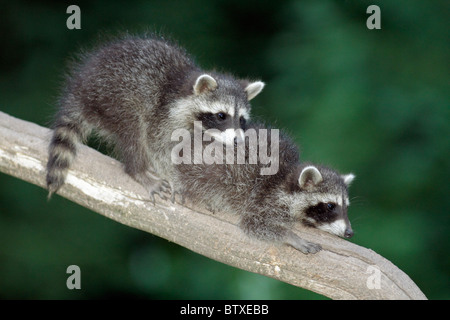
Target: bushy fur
(270,205)
(134,91)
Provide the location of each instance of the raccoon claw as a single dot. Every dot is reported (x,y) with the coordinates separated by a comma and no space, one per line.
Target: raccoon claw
(174,192)
(302,245)
(310,248)
(159,189)
(307,247)
(154,185)
(210,208)
(165,185)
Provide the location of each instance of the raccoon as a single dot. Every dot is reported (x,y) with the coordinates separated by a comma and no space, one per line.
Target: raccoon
(134,91)
(270,205)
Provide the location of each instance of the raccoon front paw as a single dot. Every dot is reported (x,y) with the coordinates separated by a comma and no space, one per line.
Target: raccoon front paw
(302,245)
(211,208)
(309,247)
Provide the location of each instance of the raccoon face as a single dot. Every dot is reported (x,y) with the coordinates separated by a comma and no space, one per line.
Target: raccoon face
(224,109)
(327,200)
(230,129)
(329,216)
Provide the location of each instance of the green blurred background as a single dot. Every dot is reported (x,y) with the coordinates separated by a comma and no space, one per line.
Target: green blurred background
(373,102)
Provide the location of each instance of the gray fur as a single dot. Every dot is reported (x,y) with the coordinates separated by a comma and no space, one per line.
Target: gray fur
(134,91)
(270,205)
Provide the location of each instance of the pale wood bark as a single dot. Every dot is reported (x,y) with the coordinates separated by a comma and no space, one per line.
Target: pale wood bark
(342,270)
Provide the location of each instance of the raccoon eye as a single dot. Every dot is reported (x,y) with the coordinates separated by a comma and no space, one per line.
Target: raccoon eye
(331,206)
(242,122)
(221,116)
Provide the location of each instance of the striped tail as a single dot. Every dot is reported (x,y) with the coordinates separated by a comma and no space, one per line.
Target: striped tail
(62,151)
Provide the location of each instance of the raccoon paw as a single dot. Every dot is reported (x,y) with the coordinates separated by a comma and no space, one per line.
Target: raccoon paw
(309,247)
(159,188)
(302,245)
(154,185)
(211,208)
(175,192)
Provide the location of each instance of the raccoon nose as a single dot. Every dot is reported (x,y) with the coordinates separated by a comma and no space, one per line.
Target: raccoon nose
(238,139)
(348,233)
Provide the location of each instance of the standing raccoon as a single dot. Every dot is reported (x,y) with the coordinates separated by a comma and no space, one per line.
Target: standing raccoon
(135,91)
(270,205)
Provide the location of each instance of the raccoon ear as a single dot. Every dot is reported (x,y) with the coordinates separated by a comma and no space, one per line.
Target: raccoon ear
(309,177)
(348,178)
(253,89)
(204,83)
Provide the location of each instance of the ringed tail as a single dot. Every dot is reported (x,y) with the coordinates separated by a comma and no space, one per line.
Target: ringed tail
(62,151)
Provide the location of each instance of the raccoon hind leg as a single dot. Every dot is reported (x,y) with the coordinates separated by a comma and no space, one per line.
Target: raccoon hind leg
(132,148)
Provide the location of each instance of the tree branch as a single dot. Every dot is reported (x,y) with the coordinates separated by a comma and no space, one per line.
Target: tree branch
(342,270)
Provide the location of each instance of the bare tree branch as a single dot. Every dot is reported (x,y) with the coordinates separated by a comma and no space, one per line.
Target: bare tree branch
(342,270)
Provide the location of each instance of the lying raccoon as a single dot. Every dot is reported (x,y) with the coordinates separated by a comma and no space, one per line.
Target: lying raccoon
(270,205)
